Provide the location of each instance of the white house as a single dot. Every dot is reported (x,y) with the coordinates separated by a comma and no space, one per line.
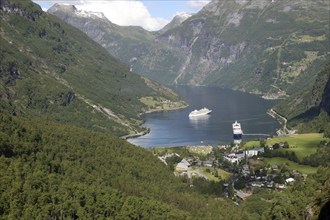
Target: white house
(289,180)
(235,157)
(254,152)
(182,166)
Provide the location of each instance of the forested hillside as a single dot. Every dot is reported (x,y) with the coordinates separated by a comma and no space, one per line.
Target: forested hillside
(309,109)
(52,70)
(51,170)
(62,97)
(61,94)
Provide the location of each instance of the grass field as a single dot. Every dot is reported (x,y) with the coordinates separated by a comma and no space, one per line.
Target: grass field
(302,144)
(223,174)
(291,165)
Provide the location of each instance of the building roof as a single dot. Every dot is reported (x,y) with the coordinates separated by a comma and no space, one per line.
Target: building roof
(289,180)
(242,195)
(183,165)
(184,161)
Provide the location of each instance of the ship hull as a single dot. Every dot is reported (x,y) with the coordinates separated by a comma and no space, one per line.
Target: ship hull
(237,132)
(201,112)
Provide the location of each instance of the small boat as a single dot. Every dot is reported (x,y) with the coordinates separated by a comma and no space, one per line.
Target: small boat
(200,112)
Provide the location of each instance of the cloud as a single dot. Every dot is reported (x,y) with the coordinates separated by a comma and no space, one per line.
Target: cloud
(197,4)
(124,13)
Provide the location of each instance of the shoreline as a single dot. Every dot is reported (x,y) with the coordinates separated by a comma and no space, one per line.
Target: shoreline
(283,121)
(142,133)
(147,130)
(164,110)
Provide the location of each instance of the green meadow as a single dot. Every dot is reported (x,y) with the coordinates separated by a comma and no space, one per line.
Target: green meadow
(222,174)
(291,165)
(302,144)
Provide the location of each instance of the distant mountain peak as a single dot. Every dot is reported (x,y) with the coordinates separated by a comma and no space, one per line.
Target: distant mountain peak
(183,16)
(90,14)
(73,9)
(176,21)
(65,7)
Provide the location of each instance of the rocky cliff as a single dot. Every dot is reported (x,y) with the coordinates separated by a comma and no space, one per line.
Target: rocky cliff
(270,47)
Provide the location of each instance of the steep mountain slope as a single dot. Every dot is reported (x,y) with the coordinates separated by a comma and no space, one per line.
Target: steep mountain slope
(259,46)
(132,45)
(311,105)
(176,21)
(52,70)
(272,47)
(57,88)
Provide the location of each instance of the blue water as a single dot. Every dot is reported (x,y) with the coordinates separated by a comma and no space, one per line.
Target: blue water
(175,128)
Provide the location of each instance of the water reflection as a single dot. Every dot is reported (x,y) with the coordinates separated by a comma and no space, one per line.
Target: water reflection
(198,121)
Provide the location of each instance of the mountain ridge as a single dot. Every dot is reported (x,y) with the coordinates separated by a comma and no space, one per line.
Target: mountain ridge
(264,47)
(51,70)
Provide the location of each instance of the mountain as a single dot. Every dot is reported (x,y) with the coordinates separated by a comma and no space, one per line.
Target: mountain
(54,71)
(270,47)
(309,109)
(57,158)
(61,94)
(176,21)
(256,46)
(132,45)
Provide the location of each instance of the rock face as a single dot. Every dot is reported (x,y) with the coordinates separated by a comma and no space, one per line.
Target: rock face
(270,47)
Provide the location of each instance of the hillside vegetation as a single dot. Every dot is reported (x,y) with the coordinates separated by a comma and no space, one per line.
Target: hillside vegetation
(309,109)
(52,70)
(62,98)
(61,94)
(51,170)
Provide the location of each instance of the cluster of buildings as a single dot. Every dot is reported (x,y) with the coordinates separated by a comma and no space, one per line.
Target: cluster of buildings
(242,155)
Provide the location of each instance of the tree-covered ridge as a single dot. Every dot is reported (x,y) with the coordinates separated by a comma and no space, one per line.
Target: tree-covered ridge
(51,170)
(308,110)
(52,70)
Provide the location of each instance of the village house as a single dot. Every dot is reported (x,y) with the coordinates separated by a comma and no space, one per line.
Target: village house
(234,157)
(238,157)
(254,152)
(182,166)
(289,180)
(243,196)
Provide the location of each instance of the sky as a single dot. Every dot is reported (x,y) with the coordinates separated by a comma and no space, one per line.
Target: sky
(150,14)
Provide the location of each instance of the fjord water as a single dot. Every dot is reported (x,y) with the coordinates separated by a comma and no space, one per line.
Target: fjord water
(175,128)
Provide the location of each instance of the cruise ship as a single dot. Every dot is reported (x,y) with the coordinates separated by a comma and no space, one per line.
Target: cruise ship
(237,132)
(203,111)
